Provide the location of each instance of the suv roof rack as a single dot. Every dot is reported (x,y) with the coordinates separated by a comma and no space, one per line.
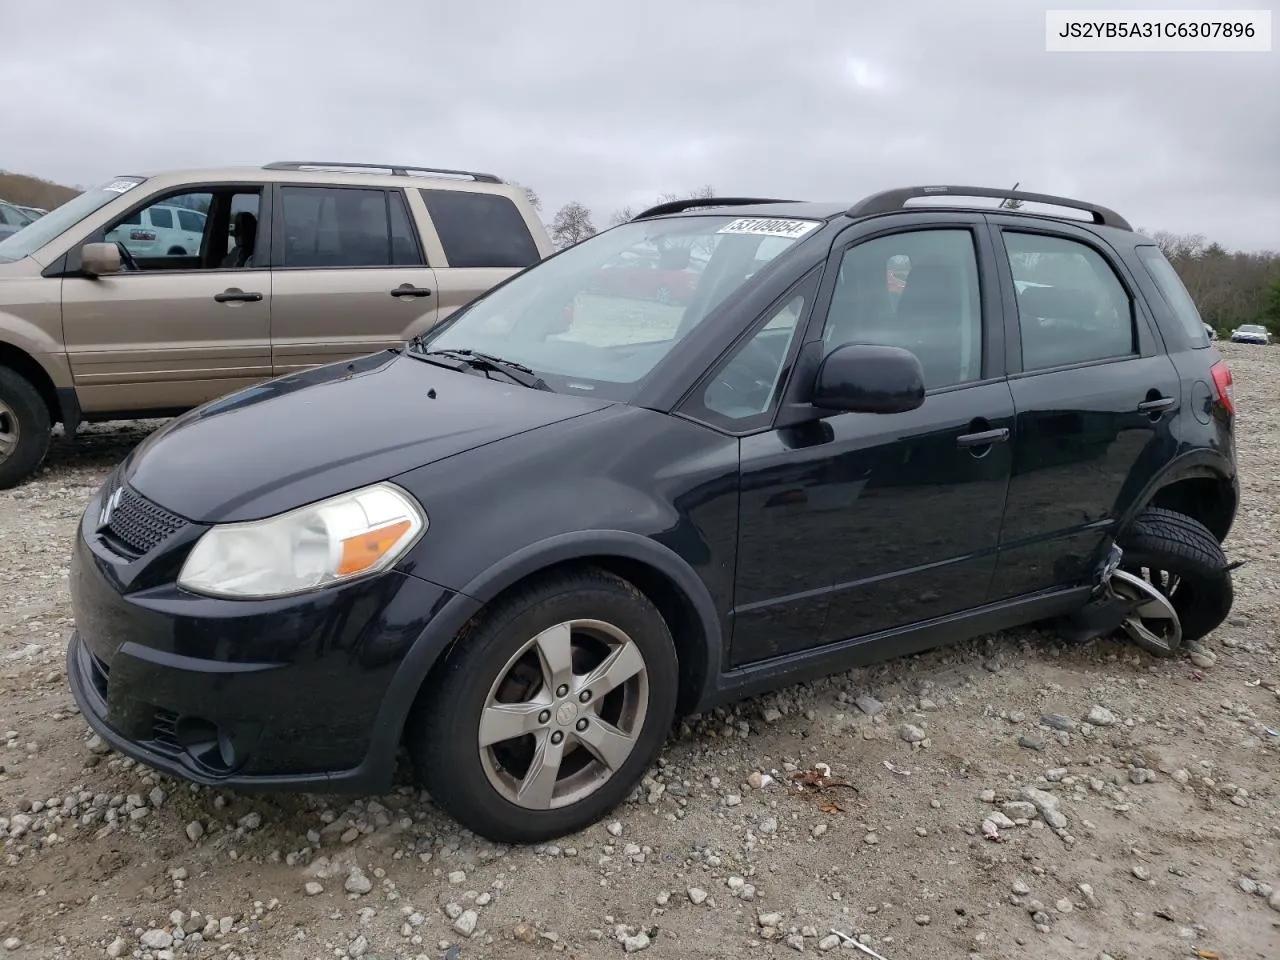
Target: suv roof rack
(678,206)
(397,169)
(889,201)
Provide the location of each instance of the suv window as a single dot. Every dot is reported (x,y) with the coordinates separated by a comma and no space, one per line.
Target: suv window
(189,220)
(1072,308)
(342,227)
(934,310)
(1175,293)
(168,233)
(480,229)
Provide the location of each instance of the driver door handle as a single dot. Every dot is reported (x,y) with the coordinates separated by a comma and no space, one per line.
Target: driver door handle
(236,296)
(999,435)
(405,290)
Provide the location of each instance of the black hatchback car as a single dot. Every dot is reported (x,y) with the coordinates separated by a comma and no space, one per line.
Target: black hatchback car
(522,545)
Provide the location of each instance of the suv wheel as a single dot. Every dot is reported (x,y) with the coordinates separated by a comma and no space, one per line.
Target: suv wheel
(548,716)
(1185,562)
(25,429)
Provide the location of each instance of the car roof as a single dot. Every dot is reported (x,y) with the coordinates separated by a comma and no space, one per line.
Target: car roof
(343,174)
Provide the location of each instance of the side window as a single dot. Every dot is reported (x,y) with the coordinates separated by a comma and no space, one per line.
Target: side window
(747,384)
(480,229)
(916,290)
(405,250)
(157,237)
(1072,308)
(191,221)
(342,227)
(1175,294)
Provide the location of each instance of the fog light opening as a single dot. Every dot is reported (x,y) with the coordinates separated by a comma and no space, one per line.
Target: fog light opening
(205,744)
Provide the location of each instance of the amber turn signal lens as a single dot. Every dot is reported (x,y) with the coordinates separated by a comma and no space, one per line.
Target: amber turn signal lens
(364,550)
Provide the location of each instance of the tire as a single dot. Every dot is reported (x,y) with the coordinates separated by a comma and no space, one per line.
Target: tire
(1166,542)
(25,429)
(487,788)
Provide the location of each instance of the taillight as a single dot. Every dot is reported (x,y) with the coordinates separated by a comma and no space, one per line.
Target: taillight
(1223,383)
(142,235)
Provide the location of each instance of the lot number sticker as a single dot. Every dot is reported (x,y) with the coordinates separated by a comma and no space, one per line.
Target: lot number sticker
(770,227)
(120,186)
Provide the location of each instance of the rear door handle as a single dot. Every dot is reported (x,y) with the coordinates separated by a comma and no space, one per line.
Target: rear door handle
(405,290)
(1154,406)
(237,296)
(985,437)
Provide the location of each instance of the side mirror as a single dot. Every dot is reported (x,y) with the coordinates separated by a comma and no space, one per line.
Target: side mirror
(867,378)
(97,259)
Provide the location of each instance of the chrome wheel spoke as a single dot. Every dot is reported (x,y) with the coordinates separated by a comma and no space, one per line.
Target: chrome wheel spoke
(609,744)
(507,721)
(539,783)
(555,654)
(620,666)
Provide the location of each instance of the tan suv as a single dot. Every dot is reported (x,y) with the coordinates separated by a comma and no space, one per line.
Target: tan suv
(150,295)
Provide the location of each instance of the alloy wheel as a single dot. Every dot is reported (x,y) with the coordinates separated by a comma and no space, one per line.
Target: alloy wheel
(10,432)
(563,714)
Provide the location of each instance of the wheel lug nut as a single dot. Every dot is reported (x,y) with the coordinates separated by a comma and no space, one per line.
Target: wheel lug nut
(562,690)
(584,696)
(544,716)
(557,737)
(582,724)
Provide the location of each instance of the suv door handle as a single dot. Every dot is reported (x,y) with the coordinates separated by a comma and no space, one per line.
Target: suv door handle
(982,439)
(1155,406)
(237,296)
(406,290)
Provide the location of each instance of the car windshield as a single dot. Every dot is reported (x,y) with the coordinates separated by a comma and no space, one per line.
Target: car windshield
(1250,328)
(598,317)
(58,220)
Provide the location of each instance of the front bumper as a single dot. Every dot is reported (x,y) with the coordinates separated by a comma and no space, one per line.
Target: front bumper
(280,693)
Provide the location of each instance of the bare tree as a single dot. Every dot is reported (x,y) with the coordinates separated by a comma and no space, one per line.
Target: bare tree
(572,224)
(529,192)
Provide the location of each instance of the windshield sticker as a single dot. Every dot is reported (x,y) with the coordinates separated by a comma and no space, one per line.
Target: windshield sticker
(770,227)
(121,186)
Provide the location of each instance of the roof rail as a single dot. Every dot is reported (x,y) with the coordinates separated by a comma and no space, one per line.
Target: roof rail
(398,170)
(678,206)
(889,201)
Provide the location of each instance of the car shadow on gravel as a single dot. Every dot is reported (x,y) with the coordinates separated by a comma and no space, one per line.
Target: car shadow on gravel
(96,446)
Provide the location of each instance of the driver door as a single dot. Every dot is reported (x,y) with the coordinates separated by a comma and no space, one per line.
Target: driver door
(181,329)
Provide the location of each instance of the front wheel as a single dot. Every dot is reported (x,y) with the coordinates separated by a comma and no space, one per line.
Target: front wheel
(1183,561)
(548,716)
(25,429)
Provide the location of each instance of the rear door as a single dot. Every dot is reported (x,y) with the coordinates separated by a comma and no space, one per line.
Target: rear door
(483,239)
(1095,396)
(349,274)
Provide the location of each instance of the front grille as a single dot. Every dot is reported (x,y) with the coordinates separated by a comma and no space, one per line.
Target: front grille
(136,523)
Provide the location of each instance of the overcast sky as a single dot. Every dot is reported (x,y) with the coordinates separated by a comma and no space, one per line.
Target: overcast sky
(612,102)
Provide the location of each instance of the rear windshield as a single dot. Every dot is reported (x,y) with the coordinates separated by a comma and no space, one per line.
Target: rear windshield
(60,219)
(1175,294)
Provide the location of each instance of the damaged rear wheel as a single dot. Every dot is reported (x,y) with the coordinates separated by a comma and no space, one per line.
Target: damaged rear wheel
(1184,563)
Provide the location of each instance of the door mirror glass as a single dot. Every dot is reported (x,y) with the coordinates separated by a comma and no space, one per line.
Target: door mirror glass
(869,378)
(97,259)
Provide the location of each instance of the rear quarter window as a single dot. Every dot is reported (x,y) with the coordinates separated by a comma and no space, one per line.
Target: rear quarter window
(480,229)
(1176,298)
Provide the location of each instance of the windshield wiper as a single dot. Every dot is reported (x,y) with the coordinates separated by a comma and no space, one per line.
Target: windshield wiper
(483,361)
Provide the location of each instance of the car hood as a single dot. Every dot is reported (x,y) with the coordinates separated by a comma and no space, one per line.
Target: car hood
(311,435)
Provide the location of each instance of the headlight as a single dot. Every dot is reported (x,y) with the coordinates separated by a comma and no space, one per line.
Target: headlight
(338,539)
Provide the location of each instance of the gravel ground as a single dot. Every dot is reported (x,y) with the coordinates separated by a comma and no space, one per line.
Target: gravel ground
(1011,797)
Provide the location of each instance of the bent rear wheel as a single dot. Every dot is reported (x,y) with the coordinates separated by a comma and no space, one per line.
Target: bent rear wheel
(548,716)
(1185,565)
